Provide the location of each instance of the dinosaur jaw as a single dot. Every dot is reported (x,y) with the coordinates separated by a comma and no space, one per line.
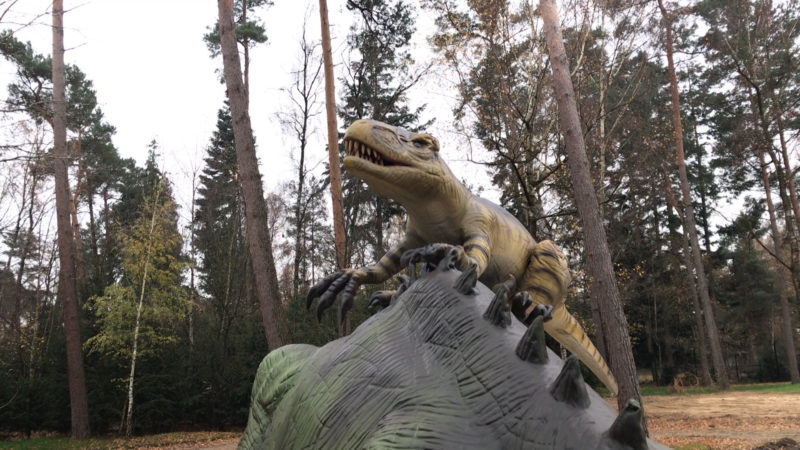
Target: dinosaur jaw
(386,173)
(399,182)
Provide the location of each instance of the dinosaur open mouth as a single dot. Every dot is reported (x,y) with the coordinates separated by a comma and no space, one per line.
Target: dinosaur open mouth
(365,152)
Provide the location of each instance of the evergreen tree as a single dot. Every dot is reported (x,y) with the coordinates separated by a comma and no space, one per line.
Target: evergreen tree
(228,313)
(138,315)
(379,77)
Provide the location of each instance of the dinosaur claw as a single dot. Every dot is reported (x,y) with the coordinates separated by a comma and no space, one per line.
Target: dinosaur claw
(381,298)
(320,288)
(438,256)
(519,304)
(546,311)
(347,297)
(329,288)
(449,261)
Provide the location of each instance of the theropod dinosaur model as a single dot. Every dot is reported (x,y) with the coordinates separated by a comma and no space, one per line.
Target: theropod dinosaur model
(444,215)
(442,367)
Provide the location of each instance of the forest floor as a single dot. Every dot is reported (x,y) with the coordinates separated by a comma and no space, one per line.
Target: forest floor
(737,419)
(729,420)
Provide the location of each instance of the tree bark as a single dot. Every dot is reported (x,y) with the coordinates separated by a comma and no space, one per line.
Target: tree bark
(603,284)
(689,222)
(705,374)
(137,322)
(333,138)
(256,215)
(67,287)
(780,276)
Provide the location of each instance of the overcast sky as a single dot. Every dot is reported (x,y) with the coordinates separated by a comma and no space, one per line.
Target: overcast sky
(155,80)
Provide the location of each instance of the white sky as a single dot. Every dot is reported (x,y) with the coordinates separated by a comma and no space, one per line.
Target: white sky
(155,80)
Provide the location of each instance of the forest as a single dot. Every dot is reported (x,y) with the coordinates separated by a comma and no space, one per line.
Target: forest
(153,314)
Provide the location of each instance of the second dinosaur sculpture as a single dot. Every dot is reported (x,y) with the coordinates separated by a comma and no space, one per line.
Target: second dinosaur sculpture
(443,216)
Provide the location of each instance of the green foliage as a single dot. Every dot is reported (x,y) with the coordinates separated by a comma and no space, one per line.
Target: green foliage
(249,28)
(379,77)
(227,351)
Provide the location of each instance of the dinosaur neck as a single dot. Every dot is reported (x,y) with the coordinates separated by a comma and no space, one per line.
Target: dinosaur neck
(446,204)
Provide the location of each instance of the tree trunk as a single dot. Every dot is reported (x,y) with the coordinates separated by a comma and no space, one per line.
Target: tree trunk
(256,215)
(603,284)
(705,374)
(137,322)
(67,286)
(780,276)
(689,222)
(333,138)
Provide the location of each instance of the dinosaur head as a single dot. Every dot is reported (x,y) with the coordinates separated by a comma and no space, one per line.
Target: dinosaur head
(394,162)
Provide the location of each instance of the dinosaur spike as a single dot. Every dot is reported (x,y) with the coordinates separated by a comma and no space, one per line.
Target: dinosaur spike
(531,347)
(628,429)
(569,386)
(465,283)
(497,312)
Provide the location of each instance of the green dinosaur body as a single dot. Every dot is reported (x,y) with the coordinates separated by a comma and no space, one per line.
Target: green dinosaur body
(407,167)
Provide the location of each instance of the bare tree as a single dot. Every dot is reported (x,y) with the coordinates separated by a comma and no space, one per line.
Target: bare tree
(256,215)
(689,223)
(67,286)
(305,105)
(598,258)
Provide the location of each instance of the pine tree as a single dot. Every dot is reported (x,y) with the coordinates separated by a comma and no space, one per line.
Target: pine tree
(378,80)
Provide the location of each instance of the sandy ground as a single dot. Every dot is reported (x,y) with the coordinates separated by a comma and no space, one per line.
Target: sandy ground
(731,420)
(724,420)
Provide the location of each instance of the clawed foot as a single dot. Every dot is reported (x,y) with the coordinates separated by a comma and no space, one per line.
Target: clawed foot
(521,302)
(345,281)
(385,298)
(381,298)
(443,256)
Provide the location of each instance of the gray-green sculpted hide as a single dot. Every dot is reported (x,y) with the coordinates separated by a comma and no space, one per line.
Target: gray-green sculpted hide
(443,366)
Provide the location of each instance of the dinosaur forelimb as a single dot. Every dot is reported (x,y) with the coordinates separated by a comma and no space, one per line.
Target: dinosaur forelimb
(345,282)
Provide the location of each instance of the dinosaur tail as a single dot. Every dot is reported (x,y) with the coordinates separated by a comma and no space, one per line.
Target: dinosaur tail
(569,333)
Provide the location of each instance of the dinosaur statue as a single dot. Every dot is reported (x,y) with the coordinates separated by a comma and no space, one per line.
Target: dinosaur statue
(444,215)
(442,366)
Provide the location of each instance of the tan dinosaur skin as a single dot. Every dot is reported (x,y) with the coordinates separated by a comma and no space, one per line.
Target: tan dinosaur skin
(407,168)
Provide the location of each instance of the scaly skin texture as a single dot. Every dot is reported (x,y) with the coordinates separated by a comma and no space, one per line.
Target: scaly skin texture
(443,366)
(443,214)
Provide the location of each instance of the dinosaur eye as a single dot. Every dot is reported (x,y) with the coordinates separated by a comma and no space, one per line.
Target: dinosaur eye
(419,143)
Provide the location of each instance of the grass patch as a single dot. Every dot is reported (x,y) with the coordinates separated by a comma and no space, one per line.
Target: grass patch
(155,440)
(694,446)
(772,388)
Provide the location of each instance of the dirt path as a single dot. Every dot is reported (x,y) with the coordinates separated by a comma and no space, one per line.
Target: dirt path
(724,420)
(731,420)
